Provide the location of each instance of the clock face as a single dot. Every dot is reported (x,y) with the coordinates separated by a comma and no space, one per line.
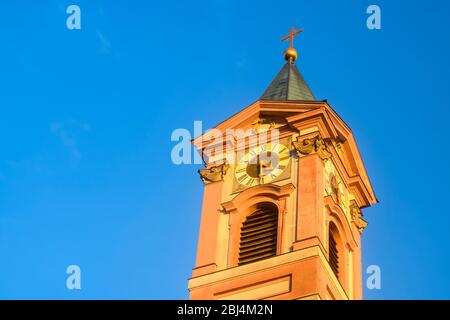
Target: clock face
(262,164)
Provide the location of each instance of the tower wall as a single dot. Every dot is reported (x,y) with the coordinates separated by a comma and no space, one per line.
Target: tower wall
(318,197)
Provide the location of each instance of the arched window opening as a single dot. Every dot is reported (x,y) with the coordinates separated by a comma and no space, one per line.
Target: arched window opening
(334,257)
(333,249)
(259,235)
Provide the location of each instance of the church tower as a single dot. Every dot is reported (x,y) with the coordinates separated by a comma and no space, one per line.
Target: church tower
(284,185)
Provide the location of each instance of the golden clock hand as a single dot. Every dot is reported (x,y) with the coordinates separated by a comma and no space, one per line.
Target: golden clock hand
(258,166)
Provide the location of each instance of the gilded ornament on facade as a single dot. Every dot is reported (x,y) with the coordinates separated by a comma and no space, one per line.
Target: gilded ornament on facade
(214,173)
(309,146)
(357,217)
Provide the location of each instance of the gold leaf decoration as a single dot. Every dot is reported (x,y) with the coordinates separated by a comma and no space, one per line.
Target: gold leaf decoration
(357,217)
(214,173)
(309,146)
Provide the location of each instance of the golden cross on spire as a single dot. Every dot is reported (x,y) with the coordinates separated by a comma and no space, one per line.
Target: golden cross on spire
(291,54)
(292,33)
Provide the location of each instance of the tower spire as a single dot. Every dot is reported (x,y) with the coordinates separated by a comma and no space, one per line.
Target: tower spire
(289,84)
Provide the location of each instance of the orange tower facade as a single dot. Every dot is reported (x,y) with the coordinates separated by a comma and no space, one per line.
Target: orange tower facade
(284,189)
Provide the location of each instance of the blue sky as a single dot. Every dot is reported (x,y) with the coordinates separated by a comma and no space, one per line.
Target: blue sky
(86,176)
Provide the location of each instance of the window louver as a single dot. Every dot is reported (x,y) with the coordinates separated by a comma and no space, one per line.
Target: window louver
(259,236)
(334,258)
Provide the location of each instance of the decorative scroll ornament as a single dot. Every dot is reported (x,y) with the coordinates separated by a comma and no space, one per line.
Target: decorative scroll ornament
(357,217)
(309,146)
(266,121)
(214,173)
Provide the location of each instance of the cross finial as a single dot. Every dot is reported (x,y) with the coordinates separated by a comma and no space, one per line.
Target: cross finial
(291,35)
(291,54)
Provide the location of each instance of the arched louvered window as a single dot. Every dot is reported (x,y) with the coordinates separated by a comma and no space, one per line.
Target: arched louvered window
(334,258)
(333,250)
(259,235)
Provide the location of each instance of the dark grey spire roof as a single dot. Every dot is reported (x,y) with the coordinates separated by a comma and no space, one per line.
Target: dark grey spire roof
(288,85)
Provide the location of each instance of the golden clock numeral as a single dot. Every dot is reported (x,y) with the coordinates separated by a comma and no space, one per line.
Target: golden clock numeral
(242,178)
(285,158)
(241,170)
(281,167)
(250,182)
